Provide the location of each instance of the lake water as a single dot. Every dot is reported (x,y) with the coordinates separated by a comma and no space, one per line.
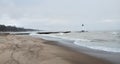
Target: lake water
(106,41)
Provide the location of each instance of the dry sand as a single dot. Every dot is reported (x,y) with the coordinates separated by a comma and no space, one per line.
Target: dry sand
(28,50)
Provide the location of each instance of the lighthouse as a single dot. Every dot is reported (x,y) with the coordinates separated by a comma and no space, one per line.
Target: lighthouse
(83,28)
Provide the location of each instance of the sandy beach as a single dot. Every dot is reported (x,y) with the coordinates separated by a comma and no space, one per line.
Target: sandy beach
(23,49)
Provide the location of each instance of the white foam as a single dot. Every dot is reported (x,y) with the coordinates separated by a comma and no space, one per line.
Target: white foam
(100,46)
(114,33)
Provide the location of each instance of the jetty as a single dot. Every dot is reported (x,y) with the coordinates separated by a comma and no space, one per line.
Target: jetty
(53,32)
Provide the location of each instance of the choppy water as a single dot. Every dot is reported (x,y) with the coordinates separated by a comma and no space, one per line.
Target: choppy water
(106,41)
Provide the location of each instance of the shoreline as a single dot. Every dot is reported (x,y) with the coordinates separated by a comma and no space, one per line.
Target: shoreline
(30,50)
(109,56)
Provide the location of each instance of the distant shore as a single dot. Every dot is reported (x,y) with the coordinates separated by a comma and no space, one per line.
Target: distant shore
(21,49)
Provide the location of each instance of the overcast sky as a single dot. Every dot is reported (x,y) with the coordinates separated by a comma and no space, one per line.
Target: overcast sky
(61,14)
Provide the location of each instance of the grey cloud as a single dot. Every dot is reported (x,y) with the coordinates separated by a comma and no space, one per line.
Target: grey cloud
(62,14)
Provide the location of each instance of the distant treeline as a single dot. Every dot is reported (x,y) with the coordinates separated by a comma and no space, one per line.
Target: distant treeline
(13,28)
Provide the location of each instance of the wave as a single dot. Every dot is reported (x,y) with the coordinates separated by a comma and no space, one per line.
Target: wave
(98,44)
(67,38)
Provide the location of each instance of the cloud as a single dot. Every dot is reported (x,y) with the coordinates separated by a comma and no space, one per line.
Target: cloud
(111,21)
(5,19)
(60,14)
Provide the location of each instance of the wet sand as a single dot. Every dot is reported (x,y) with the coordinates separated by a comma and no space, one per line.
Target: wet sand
(29,50)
